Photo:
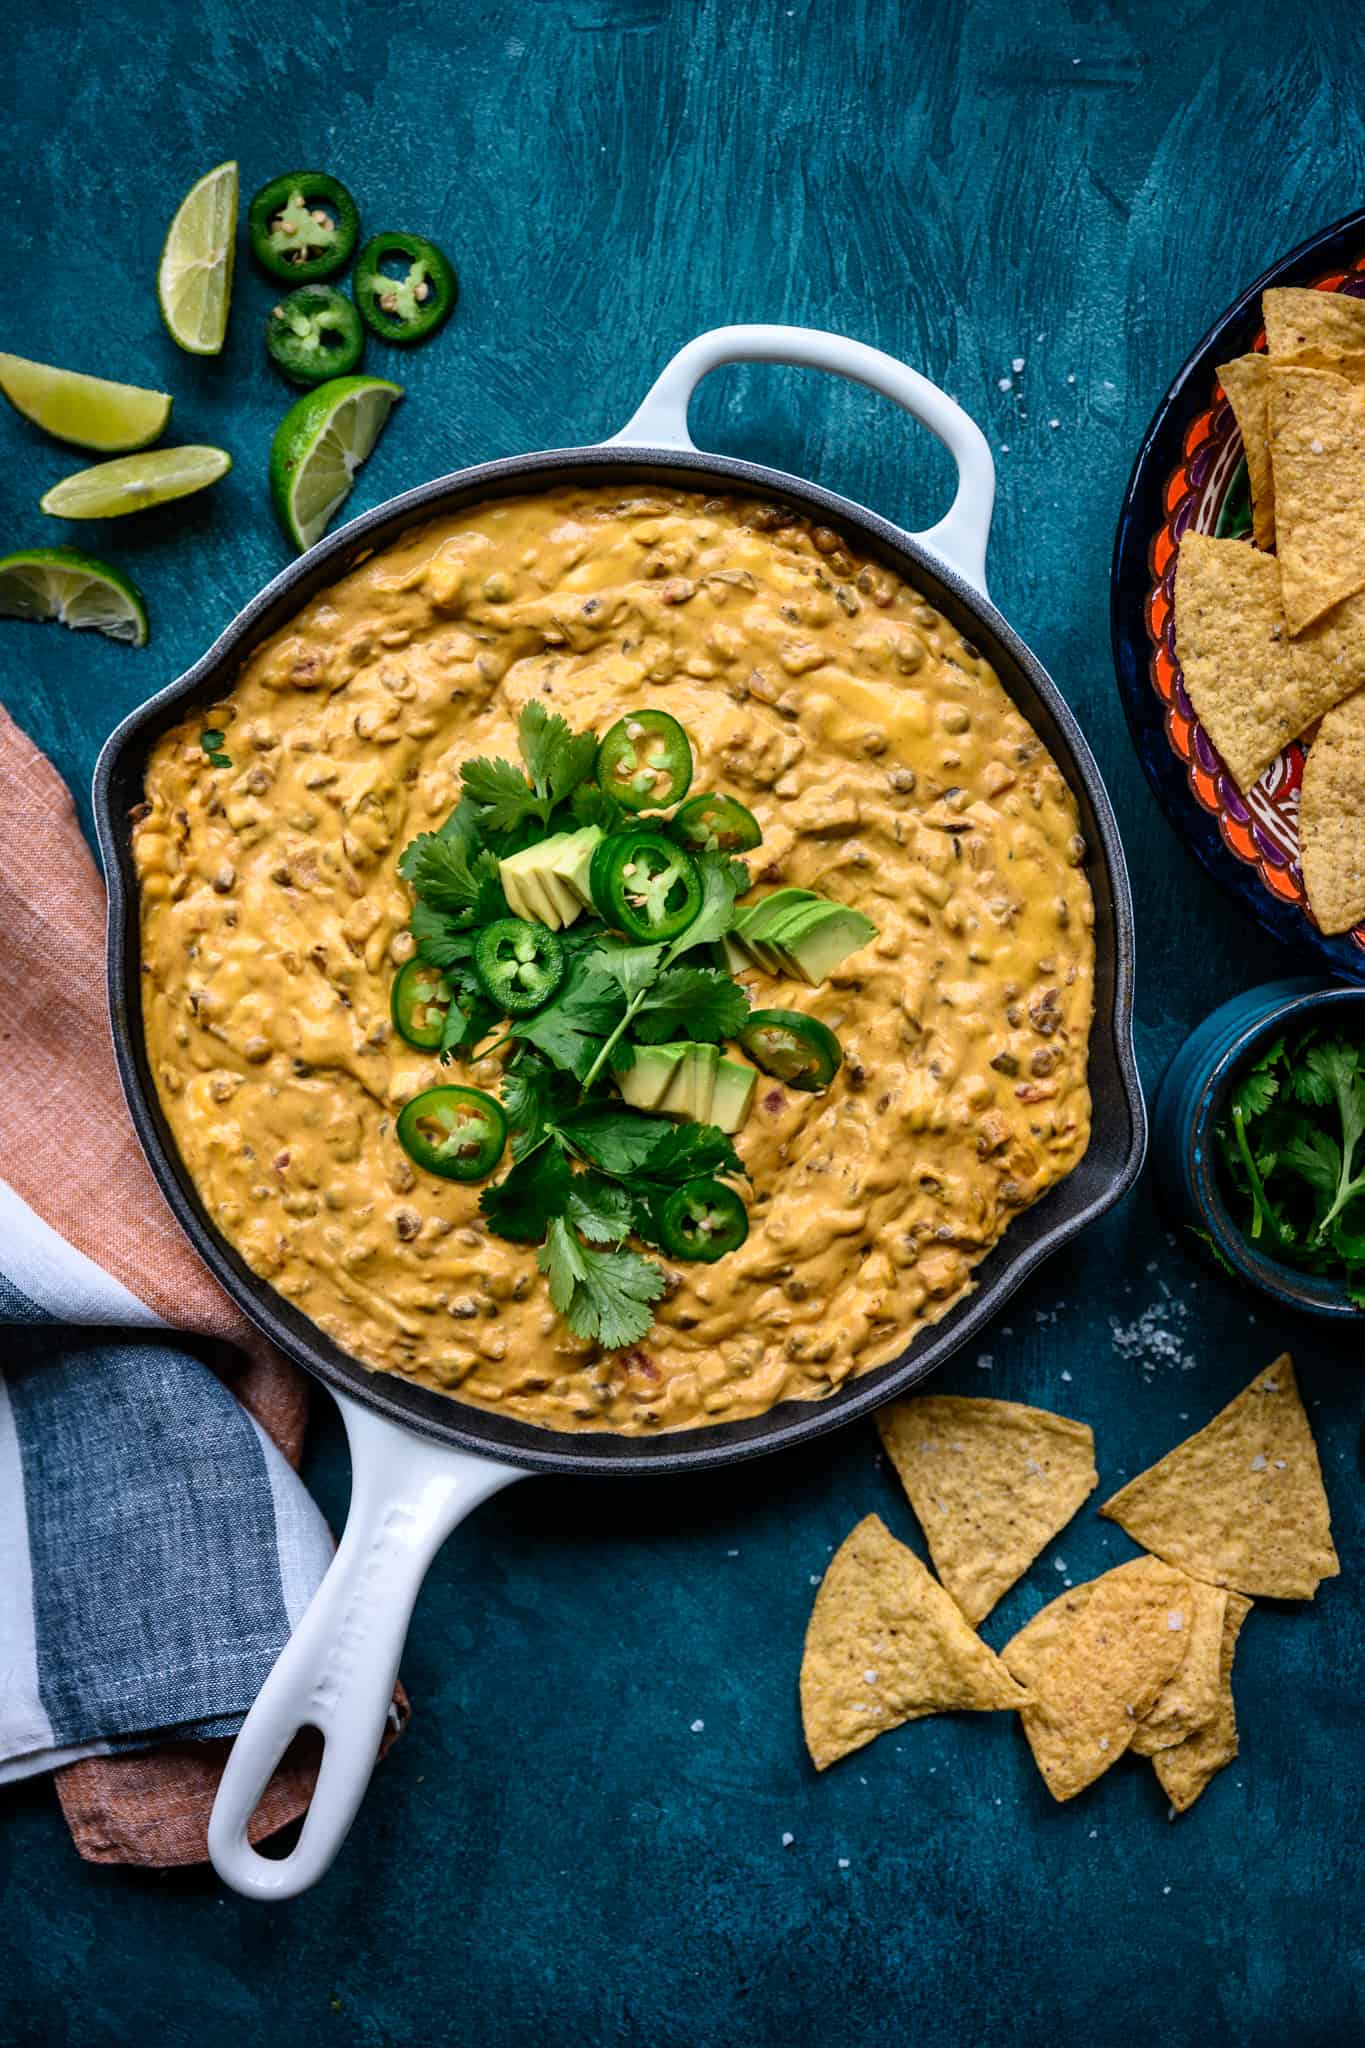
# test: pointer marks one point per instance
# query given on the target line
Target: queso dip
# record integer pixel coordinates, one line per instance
(888, 769)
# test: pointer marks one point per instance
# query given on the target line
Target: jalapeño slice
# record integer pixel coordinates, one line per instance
(792, 1047)
(314, 334)
(645, 761)
(520, 964)
(413, 302)
(703, 1220)
(420, 1003)
(645, 886)
(303, 226)
(716, 824)
(458, 1133)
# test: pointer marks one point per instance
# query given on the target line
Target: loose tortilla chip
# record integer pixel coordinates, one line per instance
(885, 1645)
(1332, 814)
(1190, 1699)
(1094, 1662)
(991, 1481)
(1233, 648)
(1297, 318)
(1241, 1503)
(1244, 386)
(1185, 1770)
(1316, 424)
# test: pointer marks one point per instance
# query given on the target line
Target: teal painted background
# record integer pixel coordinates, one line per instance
(551, 1854)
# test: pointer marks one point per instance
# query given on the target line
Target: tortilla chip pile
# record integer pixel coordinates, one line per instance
(1139, 1658)
(1271, 643)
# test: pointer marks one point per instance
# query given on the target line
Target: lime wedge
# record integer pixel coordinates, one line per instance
(134, 482)
(318, 447)
(194, 282)
(57, 583)
(90, 411)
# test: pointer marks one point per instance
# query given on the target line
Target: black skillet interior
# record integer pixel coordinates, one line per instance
(1118, 1139)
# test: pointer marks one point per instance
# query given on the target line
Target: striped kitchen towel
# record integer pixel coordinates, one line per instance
(156, 1543)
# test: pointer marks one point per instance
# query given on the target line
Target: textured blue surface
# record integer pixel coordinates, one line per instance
(551, 1853)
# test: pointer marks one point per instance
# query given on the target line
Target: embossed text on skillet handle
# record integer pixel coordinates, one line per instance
(960, 537)
(336, 1673)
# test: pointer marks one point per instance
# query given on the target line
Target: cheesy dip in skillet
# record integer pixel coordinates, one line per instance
(887, 771)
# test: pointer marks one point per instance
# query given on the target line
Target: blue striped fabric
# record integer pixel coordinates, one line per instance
(155, 1547)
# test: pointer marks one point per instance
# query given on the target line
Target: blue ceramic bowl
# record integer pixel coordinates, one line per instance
(1191, 1100)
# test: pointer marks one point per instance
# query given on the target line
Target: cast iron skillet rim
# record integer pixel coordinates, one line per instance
(440, 1417)
(1139, 516)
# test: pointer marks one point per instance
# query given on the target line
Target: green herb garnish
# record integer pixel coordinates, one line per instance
(1291, 1143)
(212, 741)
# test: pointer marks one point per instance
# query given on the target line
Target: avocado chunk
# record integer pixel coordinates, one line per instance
(535, 887)
(753, 927)
(693, 1084)
(815, 938)
(646, 1083)
(573, 852)
(732, 1095)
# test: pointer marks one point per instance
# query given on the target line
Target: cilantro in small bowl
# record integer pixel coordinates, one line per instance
(1259, 1133)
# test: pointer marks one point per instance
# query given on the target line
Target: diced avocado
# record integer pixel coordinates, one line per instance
(693, 1084)
(535, 888)
(732, 1094)
(813, 944)
(573, 852)
(646, 1083)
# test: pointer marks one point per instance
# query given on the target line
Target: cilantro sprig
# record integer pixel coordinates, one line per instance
(1292, 1147)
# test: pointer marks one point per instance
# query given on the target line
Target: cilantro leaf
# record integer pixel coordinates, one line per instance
(692, 1002)
(556, 758)
(1316, 1158)
(1254, 1092)
(447, 874)
(524, 1203)
(601, 1209)
(504, 797)
(570, 1031)
(720, 886)
(604, 1296)
(533, 1095)
(442, 941)
(613, 1138)
(590, 805)
(632, 968)
(690, 1152)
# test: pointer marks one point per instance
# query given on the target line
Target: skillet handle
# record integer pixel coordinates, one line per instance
(960, 537)
(336, 1673)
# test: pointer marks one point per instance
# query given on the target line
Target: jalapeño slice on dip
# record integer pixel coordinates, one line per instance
(792, 1047)
(645, 886)
(716, 824)
(645, 762)
(520, 964)
(458, 1133)
(420, 1004)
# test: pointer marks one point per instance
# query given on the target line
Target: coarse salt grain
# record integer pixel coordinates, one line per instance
(1059, 1564)
(1175, 1620)
(1258, 1462)
(697, 1727)
(869, 1678)
(1054, 423)
(1004, 383)
(843, 1863)
(1018, 362)
(1067, 1377)
(787, 1841)
(1104, 1742)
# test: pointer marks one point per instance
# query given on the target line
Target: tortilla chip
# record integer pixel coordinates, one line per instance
(1244, 387)
(1233, 649)
(991, 1481)
(1316, 423)
(1094, 1662)
(1190, 1699)
(1185, 1770)
(1241, 1503)
(886, 1645)
(1332, 813)
(1297, 318)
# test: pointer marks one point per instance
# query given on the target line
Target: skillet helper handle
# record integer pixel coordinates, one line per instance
(337, 1671)
(960, 537)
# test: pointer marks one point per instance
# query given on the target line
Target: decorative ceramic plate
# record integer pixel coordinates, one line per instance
(1191, 476)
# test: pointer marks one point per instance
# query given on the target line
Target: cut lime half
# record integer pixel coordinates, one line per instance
(318, 447)
(134, 482)
(89, 411)
(74, 589)
(194, 281)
